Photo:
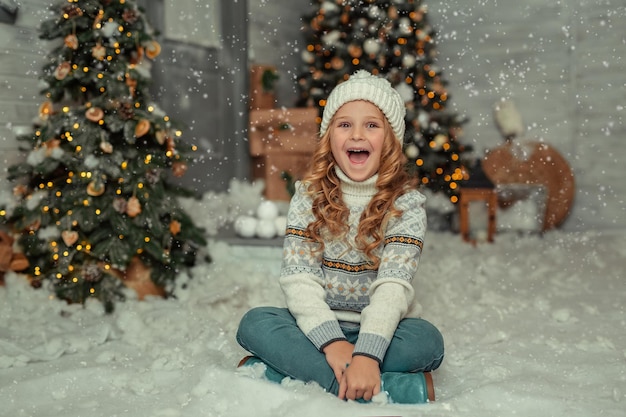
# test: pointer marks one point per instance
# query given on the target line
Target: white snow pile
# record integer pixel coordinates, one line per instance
(534, 326)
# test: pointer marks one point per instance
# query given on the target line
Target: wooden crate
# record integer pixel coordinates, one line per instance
(281, 141)
(271, 167)
(260, 98)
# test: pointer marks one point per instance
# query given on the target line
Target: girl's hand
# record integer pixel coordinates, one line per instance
(360, 380)
(339, 355)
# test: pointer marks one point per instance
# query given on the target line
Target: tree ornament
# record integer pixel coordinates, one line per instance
(45, 110)
(153, 49)
(142, 127)
(62, 70)
(72, 11)
(133, 207)
(94, 114)
(98, 52)
(374, 12)
(51, 145)
(130, 16)
(405, 27)
(71, 41)
(69, 237)
(307, 56)
(20, 190)
(136, 56)
(408, 61)
(179, 169)
(34, 225)
(97, 22)
(160, 136)
(106, 147)
(91, 272)
(331, 38)
(170, 144)
(355, 50)
(95, 188)
(371, 46)
(119, 205)
(439, 141)
(412, 151)
(125, 110)
(337, 63)
(153, 176)
(175, 227)
(392, 12)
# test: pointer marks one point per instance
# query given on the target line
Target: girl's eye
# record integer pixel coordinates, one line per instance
(343, 124)
(372, 125)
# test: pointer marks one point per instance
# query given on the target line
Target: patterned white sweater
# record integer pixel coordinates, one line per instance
(322, 290)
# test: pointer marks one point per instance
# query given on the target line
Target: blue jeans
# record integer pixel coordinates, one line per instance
(272, 334)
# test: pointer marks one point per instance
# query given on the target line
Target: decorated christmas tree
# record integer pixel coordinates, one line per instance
(393, 39)
(96, 206)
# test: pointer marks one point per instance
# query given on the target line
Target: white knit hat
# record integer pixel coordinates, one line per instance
(364, 86)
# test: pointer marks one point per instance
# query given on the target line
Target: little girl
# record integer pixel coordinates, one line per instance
(355, 232)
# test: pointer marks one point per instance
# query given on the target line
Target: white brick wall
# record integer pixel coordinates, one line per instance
(564, 65)
(21, 57)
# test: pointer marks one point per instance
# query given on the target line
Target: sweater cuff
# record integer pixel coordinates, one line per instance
(326, 333)
(371, 345)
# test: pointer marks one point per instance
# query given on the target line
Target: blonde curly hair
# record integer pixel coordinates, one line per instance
(330, 211)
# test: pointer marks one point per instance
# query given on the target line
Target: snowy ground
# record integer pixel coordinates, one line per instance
(534, 326)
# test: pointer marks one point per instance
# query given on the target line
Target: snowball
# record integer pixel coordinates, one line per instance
(267, 210)
(281, 224)
(245, 226)
(265, 229)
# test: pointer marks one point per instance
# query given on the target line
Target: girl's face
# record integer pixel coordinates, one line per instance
(356, 139)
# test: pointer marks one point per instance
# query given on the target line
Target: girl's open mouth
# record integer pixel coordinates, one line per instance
(358, 156)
